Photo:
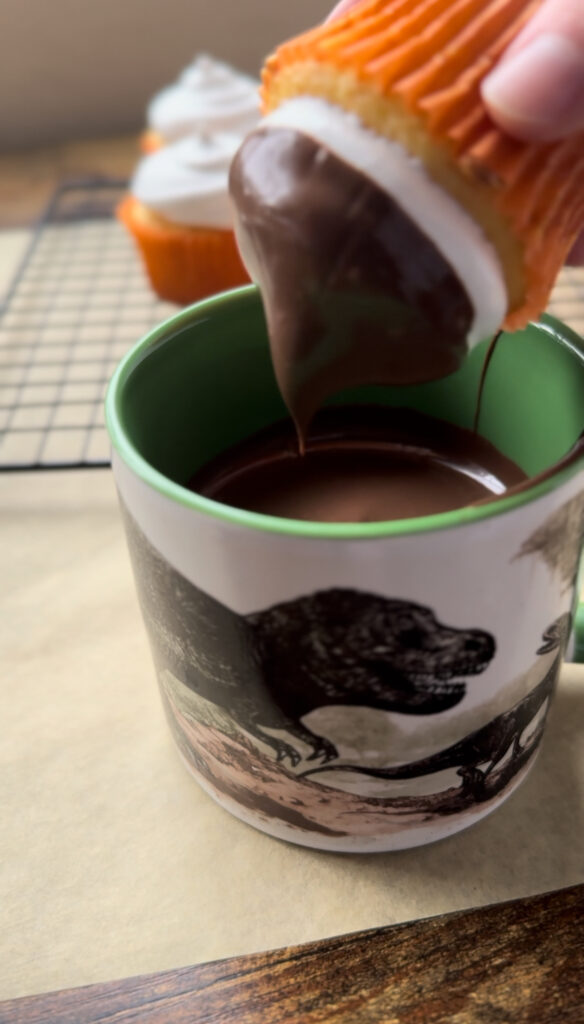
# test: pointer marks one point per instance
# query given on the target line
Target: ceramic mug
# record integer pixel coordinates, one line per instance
(350, 687)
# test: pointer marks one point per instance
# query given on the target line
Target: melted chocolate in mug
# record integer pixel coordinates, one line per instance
(361, 464)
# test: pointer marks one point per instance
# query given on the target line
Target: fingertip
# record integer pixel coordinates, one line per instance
(537, 92)
(341, 8)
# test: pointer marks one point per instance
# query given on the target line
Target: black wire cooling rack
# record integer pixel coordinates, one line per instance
(78, 302)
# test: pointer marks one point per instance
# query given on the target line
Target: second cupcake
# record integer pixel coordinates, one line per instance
(209, 96)
(178, 211)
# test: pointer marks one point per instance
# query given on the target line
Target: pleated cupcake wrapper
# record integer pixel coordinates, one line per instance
(150, 142)
(427, 58)
(184, 264)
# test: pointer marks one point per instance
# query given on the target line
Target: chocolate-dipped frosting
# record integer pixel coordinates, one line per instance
(354, 292)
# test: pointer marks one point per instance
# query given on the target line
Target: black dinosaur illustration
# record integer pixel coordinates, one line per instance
(480, 756)
(347, 647)
(271, 668)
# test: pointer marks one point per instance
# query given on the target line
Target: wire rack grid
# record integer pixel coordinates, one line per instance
(77, 304)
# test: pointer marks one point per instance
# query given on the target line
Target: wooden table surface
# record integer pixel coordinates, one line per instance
(28, 179)
(520, 962)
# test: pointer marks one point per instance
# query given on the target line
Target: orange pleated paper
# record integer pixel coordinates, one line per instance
(428, 58)
(184, 264)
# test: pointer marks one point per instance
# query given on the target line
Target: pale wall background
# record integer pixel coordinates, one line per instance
(72, 69)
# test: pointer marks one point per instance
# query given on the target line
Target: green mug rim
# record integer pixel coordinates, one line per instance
(114, 415)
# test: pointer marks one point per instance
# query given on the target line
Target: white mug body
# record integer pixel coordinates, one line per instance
(356, 695)
(350, 687)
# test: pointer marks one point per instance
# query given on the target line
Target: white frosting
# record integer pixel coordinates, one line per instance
(455, 234)
(186, 182)
(208, 97)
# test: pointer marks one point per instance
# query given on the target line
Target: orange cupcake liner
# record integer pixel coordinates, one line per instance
(183, 264)
(430, 57)
(150, 141)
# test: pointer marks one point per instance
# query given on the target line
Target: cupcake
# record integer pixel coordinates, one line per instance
(178, 211)
(389, 224)
(208, 97)
(411, 73)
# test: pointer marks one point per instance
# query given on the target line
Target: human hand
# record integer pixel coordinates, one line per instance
(536, 91)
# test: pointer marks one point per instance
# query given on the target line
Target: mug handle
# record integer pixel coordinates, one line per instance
(578, 654)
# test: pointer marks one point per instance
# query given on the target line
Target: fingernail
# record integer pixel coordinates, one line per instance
(538, 89)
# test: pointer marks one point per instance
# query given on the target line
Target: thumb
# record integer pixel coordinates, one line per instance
(342, 8)
(536, 92)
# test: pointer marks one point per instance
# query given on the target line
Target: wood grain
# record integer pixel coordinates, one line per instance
(521, 961)
(28, 179)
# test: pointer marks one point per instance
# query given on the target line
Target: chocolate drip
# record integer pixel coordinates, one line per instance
(354, 292)
(361, 464)
(486, 363)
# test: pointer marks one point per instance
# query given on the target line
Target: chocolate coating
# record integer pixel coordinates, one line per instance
(354, 292)
(361, 464)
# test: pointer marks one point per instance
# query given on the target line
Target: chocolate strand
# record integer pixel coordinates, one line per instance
(487, 362)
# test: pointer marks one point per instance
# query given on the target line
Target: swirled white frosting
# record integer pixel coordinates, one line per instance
(455, 234)
(186, 182)
(208, 97)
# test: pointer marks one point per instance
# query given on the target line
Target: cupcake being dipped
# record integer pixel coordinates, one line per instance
(389, 223)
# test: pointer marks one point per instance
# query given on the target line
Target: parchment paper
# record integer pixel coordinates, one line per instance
(113, 862)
